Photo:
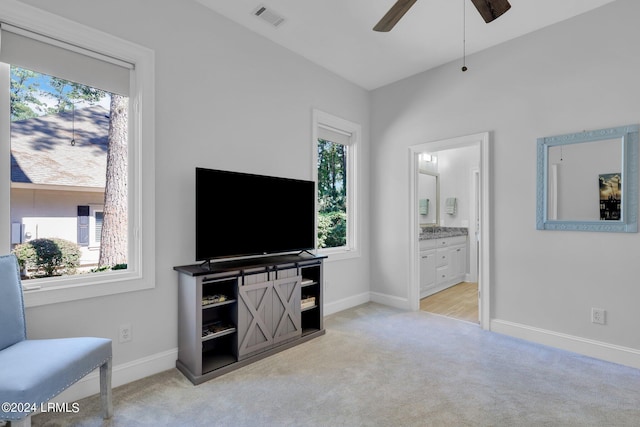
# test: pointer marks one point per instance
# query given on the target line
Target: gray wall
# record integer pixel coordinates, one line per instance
(226, 98)
(455, 167)
(577, 75)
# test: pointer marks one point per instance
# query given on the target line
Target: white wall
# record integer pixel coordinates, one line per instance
(577, 75)
(228, 99)
(455, 167)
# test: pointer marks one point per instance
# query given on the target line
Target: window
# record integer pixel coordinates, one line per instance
(97, 228)
(77, 62)
(332, 192)
(64, 153)
(83, 225)
(89, 227)
(335, 148)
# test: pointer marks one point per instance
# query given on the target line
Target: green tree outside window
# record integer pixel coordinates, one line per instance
(332, 194)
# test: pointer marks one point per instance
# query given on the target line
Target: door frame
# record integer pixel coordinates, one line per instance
(474, 224)
(480, 140)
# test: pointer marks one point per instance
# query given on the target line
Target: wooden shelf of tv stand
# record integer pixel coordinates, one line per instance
(308, 308)
(218, 304)
(219, 334)
(199, 364)
(307, 282)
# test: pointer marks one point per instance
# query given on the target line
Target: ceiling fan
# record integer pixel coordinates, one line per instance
(489, 10)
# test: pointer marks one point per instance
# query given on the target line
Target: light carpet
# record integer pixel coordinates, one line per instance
(378, 366)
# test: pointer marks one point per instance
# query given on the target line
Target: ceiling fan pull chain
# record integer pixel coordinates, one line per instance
(464, 36)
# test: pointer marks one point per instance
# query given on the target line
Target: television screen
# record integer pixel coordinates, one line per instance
(240, 214)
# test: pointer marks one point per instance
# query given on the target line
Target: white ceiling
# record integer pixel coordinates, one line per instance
(337, 34)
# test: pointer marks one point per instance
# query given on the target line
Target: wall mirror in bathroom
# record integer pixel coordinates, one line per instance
(588, 181)
(428, 198)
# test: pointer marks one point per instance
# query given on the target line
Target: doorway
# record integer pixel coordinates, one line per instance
(476, 219)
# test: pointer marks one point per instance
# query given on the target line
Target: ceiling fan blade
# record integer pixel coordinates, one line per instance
(394, 14)
(491, 9)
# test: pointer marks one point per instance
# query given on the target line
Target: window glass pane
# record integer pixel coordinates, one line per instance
(68, 150)
(332, 194)
(98, 230)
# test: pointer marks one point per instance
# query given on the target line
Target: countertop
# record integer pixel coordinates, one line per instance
(442, 232)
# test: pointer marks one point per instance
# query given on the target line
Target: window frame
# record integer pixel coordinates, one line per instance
(141, 186)
(94, 238)
(326, 120)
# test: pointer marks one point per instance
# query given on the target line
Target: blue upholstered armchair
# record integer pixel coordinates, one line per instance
(34, 371)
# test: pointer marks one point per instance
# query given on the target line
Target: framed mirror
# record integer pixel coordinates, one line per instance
(428, 198)
(588, 181)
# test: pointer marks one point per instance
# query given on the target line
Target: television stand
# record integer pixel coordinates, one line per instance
(233, 313)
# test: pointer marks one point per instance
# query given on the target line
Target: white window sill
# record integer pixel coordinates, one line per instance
(338, 254)
(39, 292)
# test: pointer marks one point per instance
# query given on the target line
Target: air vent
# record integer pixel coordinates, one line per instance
(268, 15)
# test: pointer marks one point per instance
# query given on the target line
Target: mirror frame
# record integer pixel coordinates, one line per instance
(629, 163)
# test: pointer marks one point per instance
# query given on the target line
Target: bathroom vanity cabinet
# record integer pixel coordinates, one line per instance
(443, 263)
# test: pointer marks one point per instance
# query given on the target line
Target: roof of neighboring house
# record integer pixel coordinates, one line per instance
(42, 152)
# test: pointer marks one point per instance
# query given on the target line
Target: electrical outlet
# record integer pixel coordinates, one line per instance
(598, 315)
(125, 333)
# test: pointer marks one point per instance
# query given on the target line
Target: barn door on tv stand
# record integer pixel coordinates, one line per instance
(254, 315)
(268, 311)
(286, 306)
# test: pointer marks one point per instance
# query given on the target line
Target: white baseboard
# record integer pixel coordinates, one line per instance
(121, 374)
(587, 347)
(390, 300)
(356, 300)
(346, 303)
(156, 363)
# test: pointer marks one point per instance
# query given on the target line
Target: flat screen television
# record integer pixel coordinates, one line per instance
(240, 214)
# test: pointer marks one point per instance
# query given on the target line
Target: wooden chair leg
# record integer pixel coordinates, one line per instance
(105, 389)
